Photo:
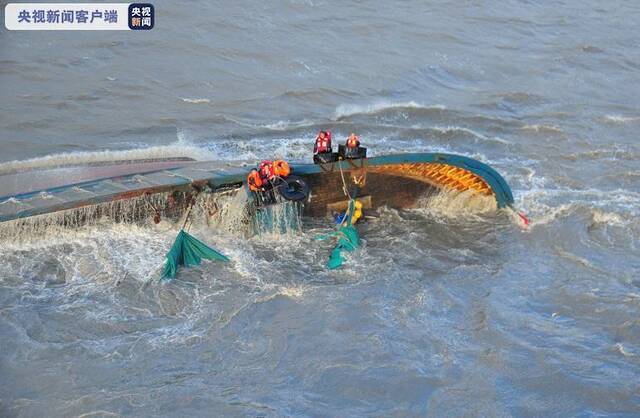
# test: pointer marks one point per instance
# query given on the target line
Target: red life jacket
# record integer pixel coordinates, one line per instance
(323, 144)
(266, 170)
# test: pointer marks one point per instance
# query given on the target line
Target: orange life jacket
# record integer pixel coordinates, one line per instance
(281, 168)
(353, 142)
(254, 180)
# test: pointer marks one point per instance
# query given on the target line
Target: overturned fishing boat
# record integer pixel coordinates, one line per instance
(139, 191)
(165, 188)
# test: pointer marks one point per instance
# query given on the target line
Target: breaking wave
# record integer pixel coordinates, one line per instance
(621, 119)
(195, 101)
(609, 218)
(553, 129)
(347, 110)
(614, 208)
(614, 153)
(284, 125)
(447, 130)
(176, 150)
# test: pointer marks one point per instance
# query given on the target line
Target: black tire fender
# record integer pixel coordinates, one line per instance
(293, 188)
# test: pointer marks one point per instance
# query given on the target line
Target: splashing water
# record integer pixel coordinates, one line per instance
(134, 210)
(454, 204)
(283, 218)
(226, 212)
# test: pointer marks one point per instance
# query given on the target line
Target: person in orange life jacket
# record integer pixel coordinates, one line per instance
(353, 141)
(323, 142)
(281, 169)
(254, 180)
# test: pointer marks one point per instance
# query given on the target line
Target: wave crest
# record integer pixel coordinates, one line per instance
(347, 110)
(176, 150)
(621, 119)
(195, 101)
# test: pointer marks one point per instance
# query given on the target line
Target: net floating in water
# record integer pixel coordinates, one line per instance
(188, 251)
(347, 236)
(348, 240)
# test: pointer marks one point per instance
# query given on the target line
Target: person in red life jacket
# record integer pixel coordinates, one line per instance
(323, 142)
(353, 141)
(266, 171)
(262, 179)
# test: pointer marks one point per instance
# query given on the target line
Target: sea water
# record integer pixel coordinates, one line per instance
(449, 309)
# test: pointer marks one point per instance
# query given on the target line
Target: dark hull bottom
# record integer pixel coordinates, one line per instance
(379, 190)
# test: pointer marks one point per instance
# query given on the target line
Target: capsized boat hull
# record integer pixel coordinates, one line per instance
(379, 189)
(394, 180)
(399, 181)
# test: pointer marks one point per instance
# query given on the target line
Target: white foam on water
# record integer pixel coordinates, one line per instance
(534, 205)
(346, 110)
(615, 208)
(252, 149)
(195, 100)
(453, 129)
(611, 153)
(543, 128)
(386, 145)
(296, 292)
(621, 119)
(455, 204)
(475, 134)
(257, 149)
(622, 350)
(284, 125)
(95, 250)
(177, 149)
(609, 218)
(102, 253)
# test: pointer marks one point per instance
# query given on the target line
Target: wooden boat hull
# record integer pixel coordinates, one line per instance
(399, 181)
(380, 189)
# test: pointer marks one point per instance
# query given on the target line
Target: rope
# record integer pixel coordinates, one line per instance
(157, 211)
(193, 202)
(344, 184)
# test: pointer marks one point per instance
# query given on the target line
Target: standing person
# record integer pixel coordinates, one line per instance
(323, 143)
(353, 141)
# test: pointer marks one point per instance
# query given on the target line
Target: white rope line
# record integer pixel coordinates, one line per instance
(344, 184)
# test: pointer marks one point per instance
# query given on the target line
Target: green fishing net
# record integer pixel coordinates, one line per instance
(348, 239)
(188, 251)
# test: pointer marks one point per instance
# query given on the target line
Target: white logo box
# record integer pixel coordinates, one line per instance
(66, 16)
